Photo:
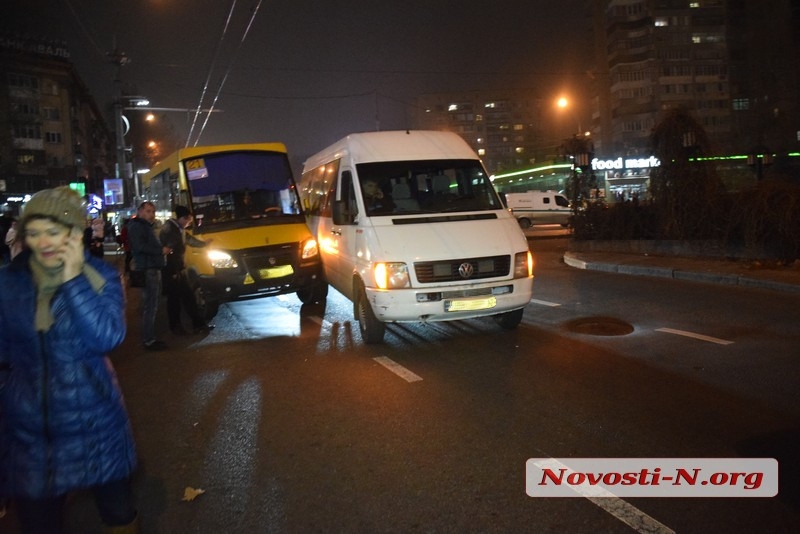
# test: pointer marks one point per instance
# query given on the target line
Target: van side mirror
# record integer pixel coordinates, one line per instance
(341, 214)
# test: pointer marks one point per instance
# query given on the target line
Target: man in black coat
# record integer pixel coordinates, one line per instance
(176, 284)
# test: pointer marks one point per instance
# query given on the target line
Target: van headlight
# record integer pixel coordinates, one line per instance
(221, 260)
(310, 250)
(523, 264)
(391, 275)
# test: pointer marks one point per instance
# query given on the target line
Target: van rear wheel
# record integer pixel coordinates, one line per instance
(509, 320)
(372, 330)
(525, 222)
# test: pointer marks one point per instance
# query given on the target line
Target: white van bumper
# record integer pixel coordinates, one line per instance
(449, 303)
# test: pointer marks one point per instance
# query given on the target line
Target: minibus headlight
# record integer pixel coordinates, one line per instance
(391, 275)
(310, 250)
(221, 260)
(523, 264)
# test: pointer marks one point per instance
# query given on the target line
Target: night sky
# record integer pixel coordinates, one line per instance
(311, 71)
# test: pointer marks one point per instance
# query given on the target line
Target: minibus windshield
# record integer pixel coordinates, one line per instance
(238, 188)
(426, 186)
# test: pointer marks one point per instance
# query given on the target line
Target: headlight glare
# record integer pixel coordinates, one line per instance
(310, 249)
(523, 264)
(391, 275)
(221, 260)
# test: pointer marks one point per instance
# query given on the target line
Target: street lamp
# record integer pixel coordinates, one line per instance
(563, 103)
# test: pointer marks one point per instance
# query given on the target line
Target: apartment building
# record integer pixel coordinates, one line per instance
(505, 127)
(732, 63)
(51, 131)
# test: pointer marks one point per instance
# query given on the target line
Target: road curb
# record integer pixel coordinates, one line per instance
(574, 260)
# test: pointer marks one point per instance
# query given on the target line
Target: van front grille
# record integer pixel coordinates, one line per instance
(430, 272)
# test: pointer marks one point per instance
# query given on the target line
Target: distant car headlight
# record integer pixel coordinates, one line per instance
(310, 249)
(221, 260)
(523, 264)
(391, 275)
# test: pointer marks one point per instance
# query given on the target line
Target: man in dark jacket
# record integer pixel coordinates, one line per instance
(176, 285)
(148, 257)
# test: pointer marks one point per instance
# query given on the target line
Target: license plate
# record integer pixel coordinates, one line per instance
(470, 304)
(275, 272)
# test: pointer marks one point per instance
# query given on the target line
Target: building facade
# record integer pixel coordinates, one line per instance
(51, 130)
(504, 126)
(732, 63)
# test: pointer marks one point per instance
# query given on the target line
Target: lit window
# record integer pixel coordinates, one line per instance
(452, 107)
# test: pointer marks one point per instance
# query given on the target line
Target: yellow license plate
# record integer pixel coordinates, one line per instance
(470, 304)
(275, 272)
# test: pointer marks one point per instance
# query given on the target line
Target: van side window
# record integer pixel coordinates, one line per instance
(348, 195)
(546, 200)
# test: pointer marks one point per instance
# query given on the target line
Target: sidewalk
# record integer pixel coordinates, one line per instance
(737, 273)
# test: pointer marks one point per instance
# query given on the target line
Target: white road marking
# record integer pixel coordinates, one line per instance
(695, 336)
(545, 303)
(398, 369)
(604, 499)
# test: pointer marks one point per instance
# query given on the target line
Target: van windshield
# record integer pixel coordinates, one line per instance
(234, 189)
(427, 186)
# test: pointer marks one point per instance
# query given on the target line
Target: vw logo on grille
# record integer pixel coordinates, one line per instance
(465, 270)
(272, 260)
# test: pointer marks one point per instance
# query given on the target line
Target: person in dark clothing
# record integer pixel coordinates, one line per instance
(148, 258)
(176, 285)
(63, 422)
(94, 236)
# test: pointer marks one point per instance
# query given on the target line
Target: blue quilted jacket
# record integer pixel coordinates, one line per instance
(63, 422)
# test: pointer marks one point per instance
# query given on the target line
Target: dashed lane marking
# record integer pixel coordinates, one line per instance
(701, 337)
(398, 369)
(604, 499)
(545, 303)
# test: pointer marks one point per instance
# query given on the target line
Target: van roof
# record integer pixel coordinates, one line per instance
(396, 145)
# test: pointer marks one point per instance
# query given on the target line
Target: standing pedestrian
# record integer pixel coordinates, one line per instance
(94, 237)
(14, 240)
(176, 284)
(122, 240)
(63, 422)
(148, 258)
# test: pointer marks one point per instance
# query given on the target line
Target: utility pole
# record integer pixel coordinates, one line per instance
(123, 173)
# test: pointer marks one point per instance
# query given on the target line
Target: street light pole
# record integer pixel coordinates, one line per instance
(119, 59)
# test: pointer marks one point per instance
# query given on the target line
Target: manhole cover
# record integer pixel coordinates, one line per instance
(600, 326)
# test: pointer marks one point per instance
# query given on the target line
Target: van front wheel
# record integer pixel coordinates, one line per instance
(525, 222)
(509, 320)
(371, 328)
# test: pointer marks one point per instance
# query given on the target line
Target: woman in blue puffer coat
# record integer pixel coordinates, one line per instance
(63, 422)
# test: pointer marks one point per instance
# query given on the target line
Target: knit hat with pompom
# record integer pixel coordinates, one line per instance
(61, 204)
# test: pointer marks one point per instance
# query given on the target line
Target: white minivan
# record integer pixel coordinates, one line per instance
(539, 207)
(411, 229)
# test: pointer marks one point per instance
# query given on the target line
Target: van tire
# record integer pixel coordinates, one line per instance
(509, 320)
(524, 222)
(206, 307)
(372, 330)
(316, 293)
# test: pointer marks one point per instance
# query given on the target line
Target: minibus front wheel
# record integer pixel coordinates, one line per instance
(372, 330)
(509, 320)
(316, 293)
(206, 307)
